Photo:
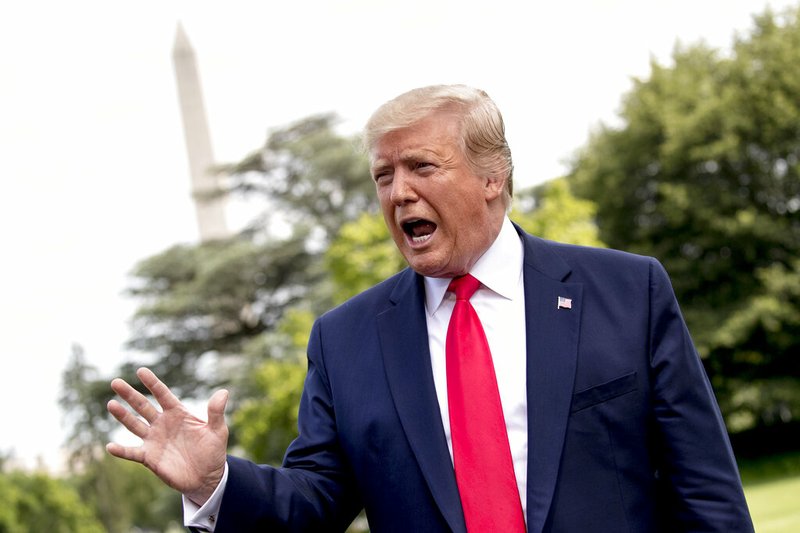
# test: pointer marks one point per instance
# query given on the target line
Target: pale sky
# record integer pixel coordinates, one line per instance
(95, 176)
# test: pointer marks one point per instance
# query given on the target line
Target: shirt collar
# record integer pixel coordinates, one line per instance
(499, 269)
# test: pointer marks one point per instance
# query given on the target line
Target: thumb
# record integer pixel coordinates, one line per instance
(216, 409)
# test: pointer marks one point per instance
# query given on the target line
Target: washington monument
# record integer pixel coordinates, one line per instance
(209, 200)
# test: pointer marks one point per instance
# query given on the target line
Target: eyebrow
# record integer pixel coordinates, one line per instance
(380, 164)
(414, 154)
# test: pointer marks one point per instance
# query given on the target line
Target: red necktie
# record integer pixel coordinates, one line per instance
(481, 453)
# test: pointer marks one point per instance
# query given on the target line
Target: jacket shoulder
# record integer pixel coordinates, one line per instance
(374, 299)
(584, 263)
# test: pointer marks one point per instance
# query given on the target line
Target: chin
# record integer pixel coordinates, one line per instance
(422, 267)
(431, 269)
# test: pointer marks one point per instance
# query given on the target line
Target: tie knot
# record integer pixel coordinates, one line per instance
(464, 286)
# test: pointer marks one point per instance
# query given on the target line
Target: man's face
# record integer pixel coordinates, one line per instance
(441, 215)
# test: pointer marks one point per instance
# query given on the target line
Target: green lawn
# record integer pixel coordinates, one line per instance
(772, 488)
(775, 505)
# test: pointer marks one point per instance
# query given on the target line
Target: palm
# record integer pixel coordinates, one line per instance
(185, 452)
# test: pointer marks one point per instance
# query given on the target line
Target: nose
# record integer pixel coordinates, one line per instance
(402, 189)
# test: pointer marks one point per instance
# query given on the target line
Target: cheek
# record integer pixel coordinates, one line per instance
(388, 219)
(386, 209)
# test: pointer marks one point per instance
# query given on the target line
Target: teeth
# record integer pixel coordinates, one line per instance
(420, 239)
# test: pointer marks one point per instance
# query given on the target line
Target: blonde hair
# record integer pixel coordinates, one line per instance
(483, 139)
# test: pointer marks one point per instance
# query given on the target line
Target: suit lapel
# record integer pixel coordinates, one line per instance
(552, 349)
(404, 343)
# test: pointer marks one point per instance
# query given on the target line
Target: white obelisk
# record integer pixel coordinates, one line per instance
(208, 200)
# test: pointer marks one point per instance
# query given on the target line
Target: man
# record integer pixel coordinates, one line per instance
(607, 420)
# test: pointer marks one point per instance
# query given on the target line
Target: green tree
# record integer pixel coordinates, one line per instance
(121, 495)
(228, 312)
(126, 496)
(210, 300)
(552, 212)
(83, 399)
(266, 421)
(315, 177)
(704, 174)
(362, 255)
(38, 502)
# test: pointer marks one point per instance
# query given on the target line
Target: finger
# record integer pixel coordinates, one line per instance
(125, 452)
(216, 410)
(160, 391)
(132, 423)
(135, 399)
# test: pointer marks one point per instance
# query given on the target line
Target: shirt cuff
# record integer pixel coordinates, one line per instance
(205, 517)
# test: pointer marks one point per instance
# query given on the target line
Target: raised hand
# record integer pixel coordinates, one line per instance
(185, 452)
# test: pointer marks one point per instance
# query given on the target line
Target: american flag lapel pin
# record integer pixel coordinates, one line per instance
(564, 303)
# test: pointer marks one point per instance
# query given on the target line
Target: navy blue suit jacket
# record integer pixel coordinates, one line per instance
(624, 433)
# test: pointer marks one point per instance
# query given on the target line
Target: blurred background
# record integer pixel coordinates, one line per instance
(670, 128)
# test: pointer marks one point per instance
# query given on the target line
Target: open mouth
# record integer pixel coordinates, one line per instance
(419, 230)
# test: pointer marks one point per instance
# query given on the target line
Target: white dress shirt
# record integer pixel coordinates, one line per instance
(205, 517)
(500, 304)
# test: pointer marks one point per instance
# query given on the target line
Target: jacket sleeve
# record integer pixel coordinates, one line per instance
(697, 473)
(314, 489)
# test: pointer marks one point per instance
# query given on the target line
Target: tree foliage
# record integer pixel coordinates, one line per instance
(266, 421)
(315, 177)
(552, 212)
(120, 495)
(83, 398)
(238, 311)
(704, 174)
(361, 256)
(39, 502)
(212, 299)
(126, 496)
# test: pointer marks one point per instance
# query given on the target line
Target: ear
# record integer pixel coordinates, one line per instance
(493, 187)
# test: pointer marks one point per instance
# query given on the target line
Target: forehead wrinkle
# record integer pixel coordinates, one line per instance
(404, 145)
(408, 155)
(417, 154)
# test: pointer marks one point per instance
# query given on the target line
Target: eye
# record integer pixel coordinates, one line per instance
(424, 166)
(382, 176)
